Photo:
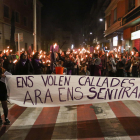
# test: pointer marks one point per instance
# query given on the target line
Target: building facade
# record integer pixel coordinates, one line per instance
(63, 39)
(16, 16)
(122, 24)
(94, 25)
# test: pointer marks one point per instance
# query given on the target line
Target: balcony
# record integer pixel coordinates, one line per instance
(113, 28)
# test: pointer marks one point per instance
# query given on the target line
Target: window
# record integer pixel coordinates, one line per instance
(25, 2)
(115, 14)
(25, 21)
(115, 41)
(16, 16)
(7, 42)
(26, 46)
(32, 25)
(6, 11)
(109, 21)
(131, 5)
(31, 4)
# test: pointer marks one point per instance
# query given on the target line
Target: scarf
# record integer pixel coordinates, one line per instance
(23, 61)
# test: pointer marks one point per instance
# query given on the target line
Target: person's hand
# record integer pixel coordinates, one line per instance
(3, 76)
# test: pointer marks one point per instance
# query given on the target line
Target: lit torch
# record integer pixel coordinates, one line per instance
(40, 51)
(15, 61)
(55, 45)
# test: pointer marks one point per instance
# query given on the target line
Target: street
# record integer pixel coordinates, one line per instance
(109, 121)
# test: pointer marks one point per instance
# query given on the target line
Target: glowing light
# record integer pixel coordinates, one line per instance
(72, 46)
(100, 19)
(83, 49)
(48, 61)
(40, 51)
(15, 61)
(55, 45)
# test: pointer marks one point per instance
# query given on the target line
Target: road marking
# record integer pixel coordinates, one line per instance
(128, 120)
(110, 125)
(14, 112)
(66, 124)
(22, 125)
(88, 127)
(44, 125)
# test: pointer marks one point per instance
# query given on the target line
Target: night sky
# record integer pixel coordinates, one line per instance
(66, 14)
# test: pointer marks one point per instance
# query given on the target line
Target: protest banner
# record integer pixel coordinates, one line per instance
(65, 90)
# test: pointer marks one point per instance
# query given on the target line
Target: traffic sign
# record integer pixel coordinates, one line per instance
(20, 37)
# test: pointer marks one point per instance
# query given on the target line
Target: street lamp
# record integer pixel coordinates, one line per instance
(90, 33)
(100, 19)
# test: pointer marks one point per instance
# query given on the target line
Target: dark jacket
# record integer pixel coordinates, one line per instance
(37, 67)
(103, 60)
(26, 69)
(128, 65)
(61, 57)
(8, 63)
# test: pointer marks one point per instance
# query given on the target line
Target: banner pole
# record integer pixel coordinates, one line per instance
(19, 44)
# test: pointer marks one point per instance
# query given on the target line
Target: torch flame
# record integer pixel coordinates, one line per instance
(15, 61)
(55, 45)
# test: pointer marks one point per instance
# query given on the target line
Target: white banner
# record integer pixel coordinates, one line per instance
(65, 90)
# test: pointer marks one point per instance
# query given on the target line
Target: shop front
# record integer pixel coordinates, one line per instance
(135, 37)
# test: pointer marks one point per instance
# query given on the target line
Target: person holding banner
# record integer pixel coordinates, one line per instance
(3, 96)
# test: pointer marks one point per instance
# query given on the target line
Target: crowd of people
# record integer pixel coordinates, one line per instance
(80, 62)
